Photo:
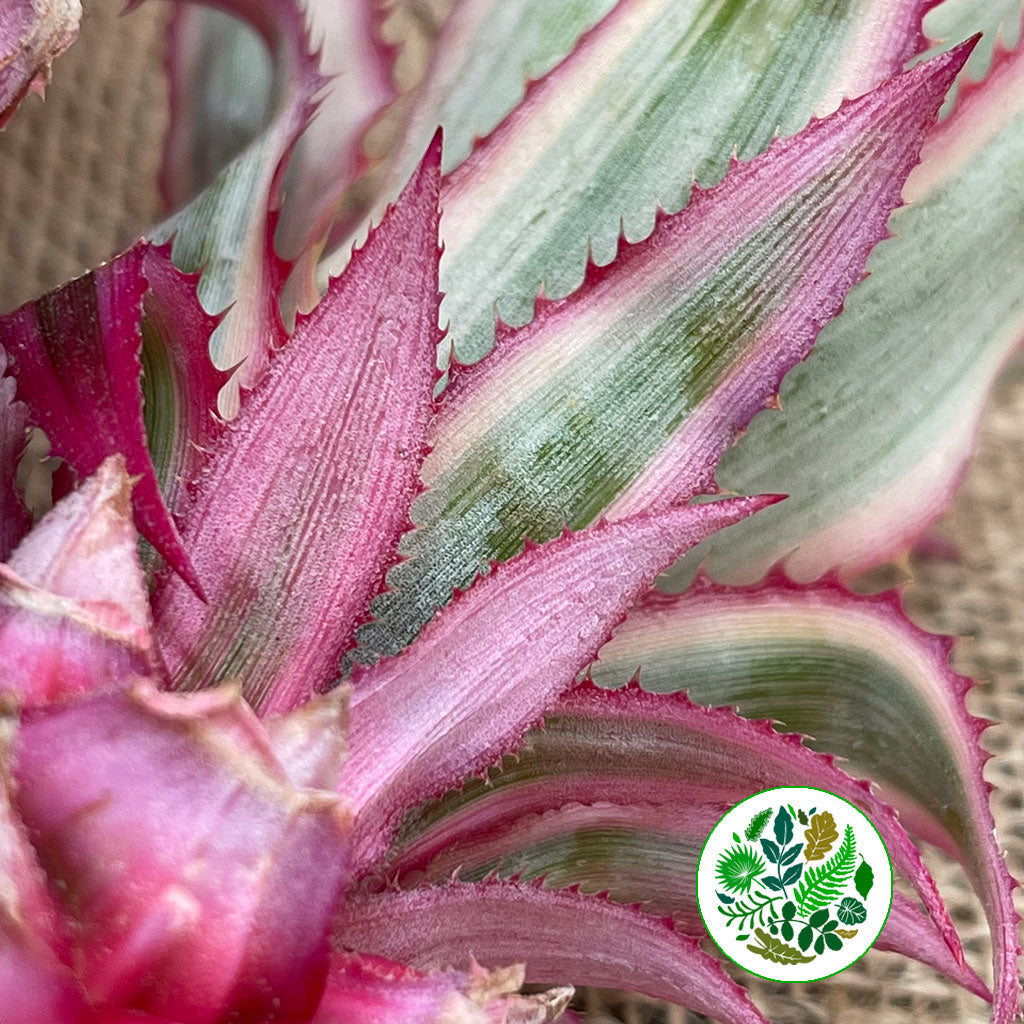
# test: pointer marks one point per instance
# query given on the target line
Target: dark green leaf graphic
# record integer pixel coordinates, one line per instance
(771, 851)
(819, 945)
(758, 823)
(830, 926)
(786, 929)
(783, 827)
(793, 874)
(864, 879)
(738, 867)
(833, 941)
(789, 911)
(823, 884)
(724, 898)
(791, 854)
(821, 836)
(776, 950)
(805, 937)
(772, 883)
(851, 911)
(818, 918)
(801, 817)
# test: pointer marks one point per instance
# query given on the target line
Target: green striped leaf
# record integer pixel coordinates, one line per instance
(662, 91)
(625, 394)
(856, 675)
(867, 469)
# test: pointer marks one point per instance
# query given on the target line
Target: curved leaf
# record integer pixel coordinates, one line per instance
(625, 395)
(558, 934)
(820, 836)
(637, 853)
(610, 746)
(943, 309)
(424, 720)
(226, 232)
(856, 675)
(75, 355)
(324, 464)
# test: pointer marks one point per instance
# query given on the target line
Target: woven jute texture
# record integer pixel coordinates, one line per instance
(77, 182)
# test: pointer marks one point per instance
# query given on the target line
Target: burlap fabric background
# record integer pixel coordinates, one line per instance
(77, 178)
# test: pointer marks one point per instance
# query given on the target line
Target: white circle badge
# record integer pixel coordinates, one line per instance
(794, 884)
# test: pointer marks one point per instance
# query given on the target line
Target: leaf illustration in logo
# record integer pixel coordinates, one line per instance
(833, 941)
(791, 854)
(776, 950)
(851, 911)
(864, 879)
(820, 837)
(823, 884)
(801, 817)
(771, 851)
(793, 874)
(805, 937)
(783, 827)
(846, 933)
(738, 867)
(757, 824)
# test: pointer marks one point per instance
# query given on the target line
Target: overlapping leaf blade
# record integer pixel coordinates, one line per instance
(515, 222)
(424, 720)
(856, 675)
(868, 470)
(628, 745)
(226, 232)
(625, 394)
(556, 933)
(75, 354)
(299, 510)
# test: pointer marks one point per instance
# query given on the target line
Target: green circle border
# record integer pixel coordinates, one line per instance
(795, 981)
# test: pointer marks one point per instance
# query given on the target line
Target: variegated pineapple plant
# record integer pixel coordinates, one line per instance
(256, 782)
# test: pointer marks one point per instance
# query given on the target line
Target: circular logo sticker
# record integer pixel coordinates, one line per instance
(794, 884)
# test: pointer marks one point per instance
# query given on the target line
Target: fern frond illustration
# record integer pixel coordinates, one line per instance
(744, 913)
(757, 824)
(822, 885)
(738, 867)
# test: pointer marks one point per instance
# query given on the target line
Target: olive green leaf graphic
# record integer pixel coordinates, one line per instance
(851, 911)
(738, 867)
(864, 879)
(846, 933)
(820, 836)
(757, 824)
(822, 885)
(801, 817)
(776, 950)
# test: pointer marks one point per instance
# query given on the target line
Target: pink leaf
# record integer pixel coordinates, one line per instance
(14, 517)
(607, 745)
(201, 881)
(858, 676)
(636, 852)
(74, 610)
(75, 355)
(425, 719)
(558, 934)
(300, 510)
(311, 741)
(370, 990)
(32, 34)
